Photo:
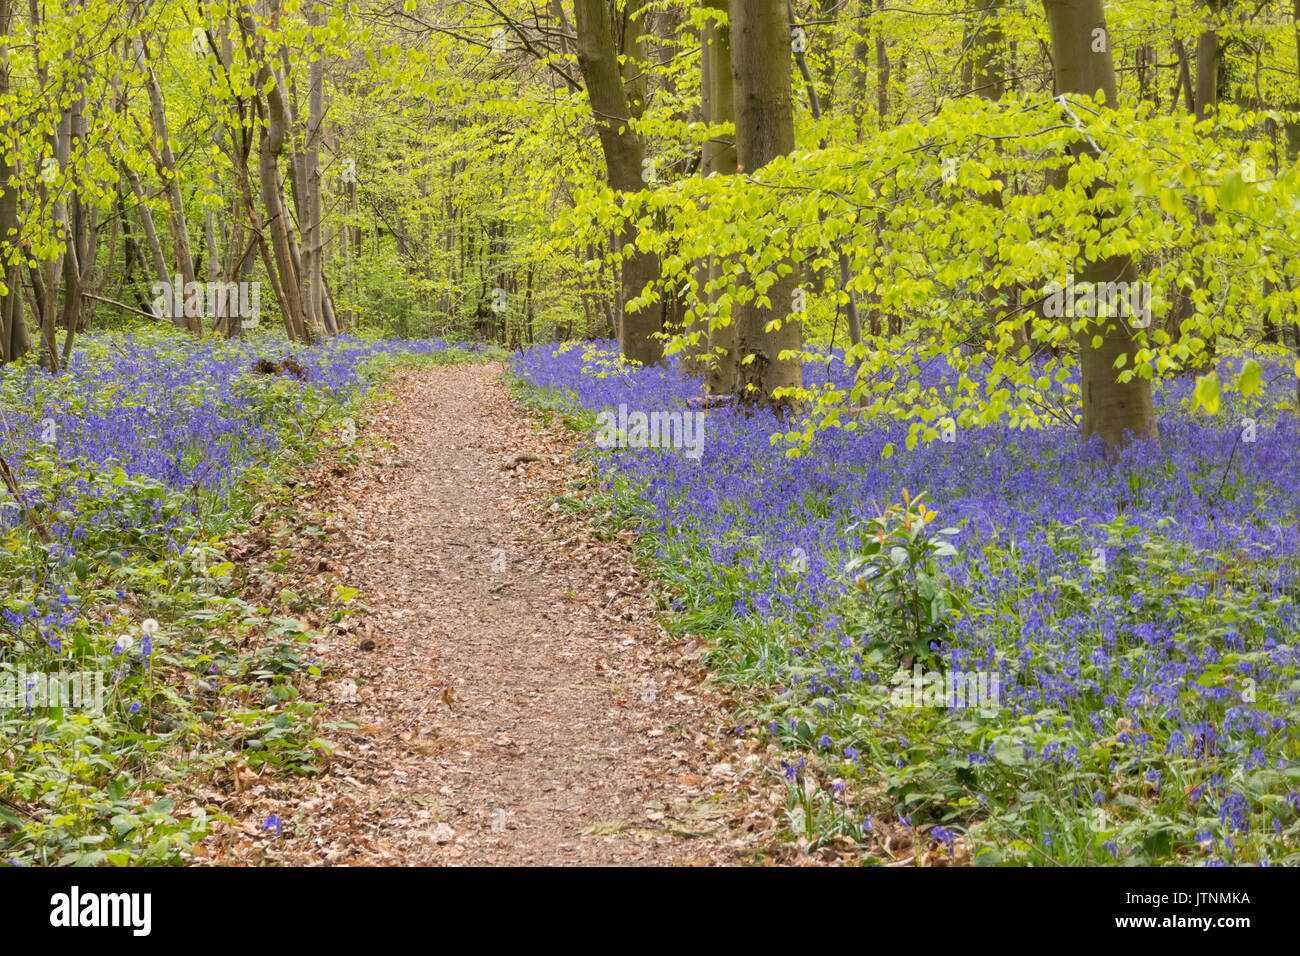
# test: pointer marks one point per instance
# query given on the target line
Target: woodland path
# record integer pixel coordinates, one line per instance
(516, 700)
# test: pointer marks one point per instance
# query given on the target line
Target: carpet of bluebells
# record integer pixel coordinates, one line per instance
(132, 466)
(1141, 613)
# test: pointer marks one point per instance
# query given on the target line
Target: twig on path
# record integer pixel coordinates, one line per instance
(517, 461)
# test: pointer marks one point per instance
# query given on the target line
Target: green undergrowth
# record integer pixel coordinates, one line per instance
(183, 602)
(1084, 779)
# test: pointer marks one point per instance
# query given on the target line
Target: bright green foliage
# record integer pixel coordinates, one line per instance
(895, 567)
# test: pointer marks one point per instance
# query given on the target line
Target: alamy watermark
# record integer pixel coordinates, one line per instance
(178, 299)
(636, 429)
(976, 690)
(1131, 300)
(75, 909)
(33, 690)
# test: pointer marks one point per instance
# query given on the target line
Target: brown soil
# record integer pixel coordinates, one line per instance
(515, 698)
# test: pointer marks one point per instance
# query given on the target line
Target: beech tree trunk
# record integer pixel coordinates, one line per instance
(1113, 410)
(639, 329)
(770, 337)
(987, 76)
(14, 342)
(719, 158)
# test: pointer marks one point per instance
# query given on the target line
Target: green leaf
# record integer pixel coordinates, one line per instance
(1251, 379)
(1206, 394)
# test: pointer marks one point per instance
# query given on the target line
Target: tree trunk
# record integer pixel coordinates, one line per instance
(760, 69)
(166, 163)
(13, 337)
(624, 153)
(313, 236)
(987, 75)
(697, 358)
(1113, 410)
(719, 158)
(277, 212)
(1209, 58)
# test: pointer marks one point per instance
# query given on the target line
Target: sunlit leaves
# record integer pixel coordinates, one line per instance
(1206, 393)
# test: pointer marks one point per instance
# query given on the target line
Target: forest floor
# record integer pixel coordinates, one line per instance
(515, 700)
